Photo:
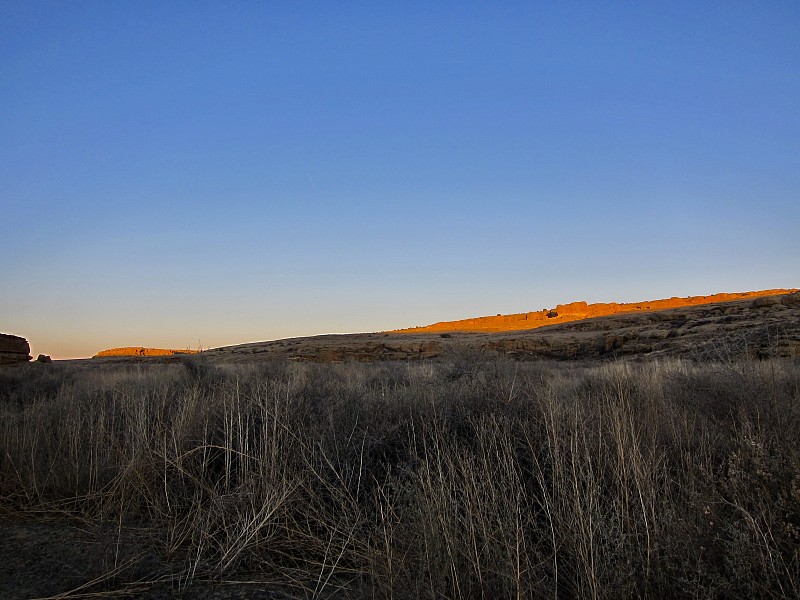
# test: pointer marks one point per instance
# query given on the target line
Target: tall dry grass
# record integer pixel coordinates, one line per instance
(471, 478)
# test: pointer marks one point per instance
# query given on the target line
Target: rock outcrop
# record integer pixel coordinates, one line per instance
(576, 311)
(760, 328)
(13, 349)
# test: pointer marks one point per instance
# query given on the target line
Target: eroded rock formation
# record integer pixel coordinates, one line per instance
(13, 349)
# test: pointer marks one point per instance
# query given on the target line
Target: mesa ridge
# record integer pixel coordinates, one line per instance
(576, 311)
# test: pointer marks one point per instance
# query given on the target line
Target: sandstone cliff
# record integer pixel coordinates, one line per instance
(576, 311)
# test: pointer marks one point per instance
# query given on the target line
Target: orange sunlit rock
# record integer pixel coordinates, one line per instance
(575, 311)
(139, 351)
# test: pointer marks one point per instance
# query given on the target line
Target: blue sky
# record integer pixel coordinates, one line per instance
(208, 173)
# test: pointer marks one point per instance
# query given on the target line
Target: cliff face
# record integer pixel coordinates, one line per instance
(13, 349)
(576, 311)
(761, 327)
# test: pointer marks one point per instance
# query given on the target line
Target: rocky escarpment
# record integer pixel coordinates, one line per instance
(757, 326)
(764, 326)
(578, 311)
(13, 349)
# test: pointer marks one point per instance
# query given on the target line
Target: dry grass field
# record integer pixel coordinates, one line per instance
(652, 455)
(473, 477)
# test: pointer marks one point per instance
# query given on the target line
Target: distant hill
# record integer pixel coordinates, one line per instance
(759, 324)
(139, 351)
(755, 324)
(576, 311)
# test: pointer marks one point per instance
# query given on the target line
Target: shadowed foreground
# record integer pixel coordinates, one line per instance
(473, 477)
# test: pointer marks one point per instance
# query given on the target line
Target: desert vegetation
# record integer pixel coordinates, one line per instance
(472, 476)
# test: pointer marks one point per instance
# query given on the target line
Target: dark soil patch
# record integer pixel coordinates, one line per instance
(59, 559)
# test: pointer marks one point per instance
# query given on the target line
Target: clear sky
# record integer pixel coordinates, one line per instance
(183, 174)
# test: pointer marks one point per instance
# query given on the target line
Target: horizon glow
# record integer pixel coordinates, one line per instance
(190, 174)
